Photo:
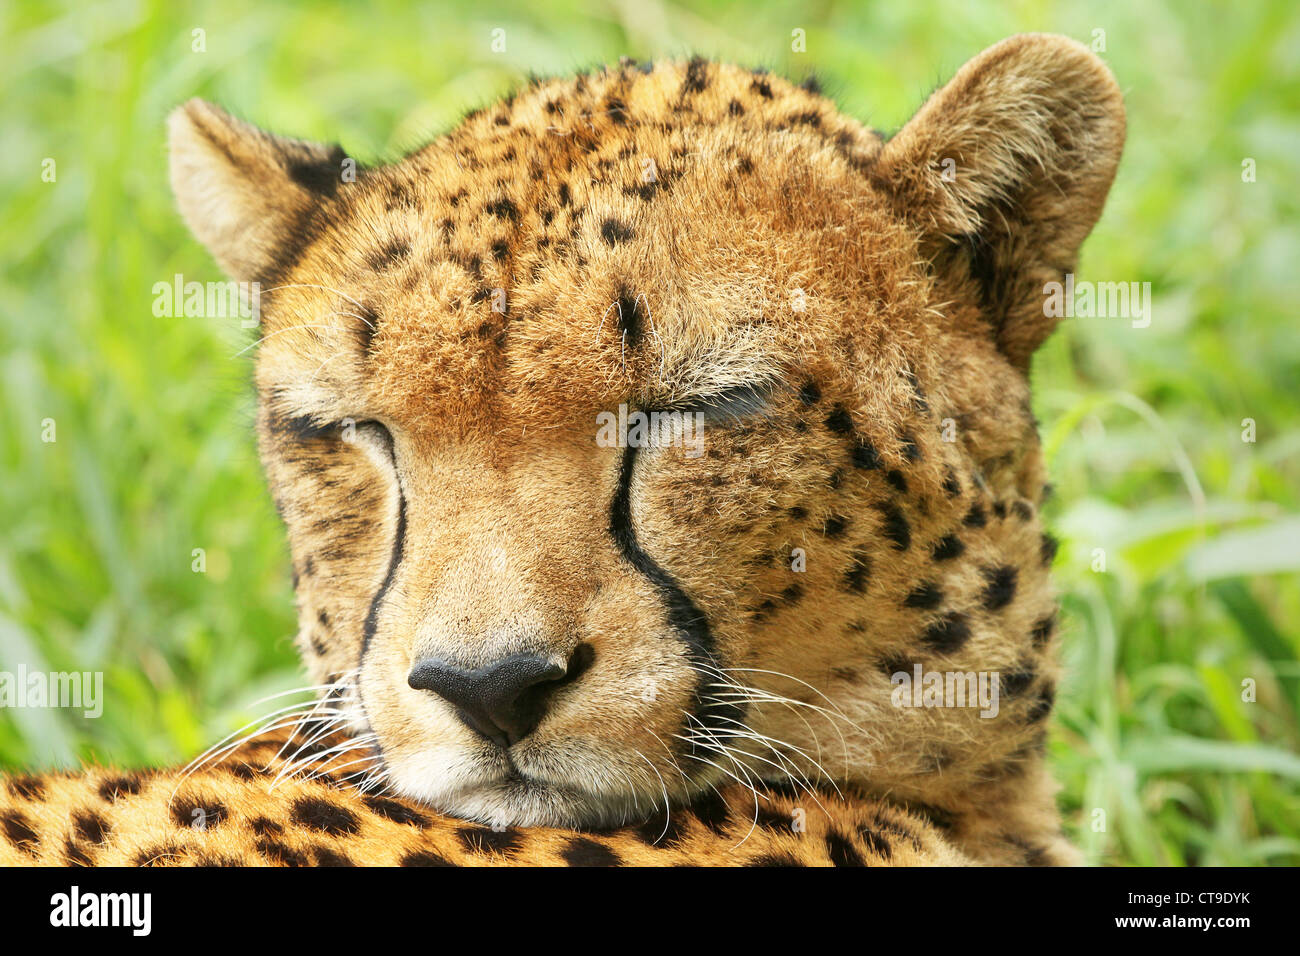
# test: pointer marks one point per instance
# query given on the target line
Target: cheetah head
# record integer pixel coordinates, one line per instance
(629, 436)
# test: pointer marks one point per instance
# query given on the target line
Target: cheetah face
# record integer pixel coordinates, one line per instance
(609, 429)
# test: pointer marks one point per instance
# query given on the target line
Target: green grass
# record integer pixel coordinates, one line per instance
(154, 455)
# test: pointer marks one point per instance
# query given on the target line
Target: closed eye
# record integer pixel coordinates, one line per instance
(306, 428)
(728, 405)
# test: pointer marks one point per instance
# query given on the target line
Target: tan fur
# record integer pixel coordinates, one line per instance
(656, 235)
(236, 813)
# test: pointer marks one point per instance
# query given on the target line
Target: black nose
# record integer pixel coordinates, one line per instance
(503, 701)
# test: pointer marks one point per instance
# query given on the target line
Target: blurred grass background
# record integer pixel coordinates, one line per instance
(1161, 759)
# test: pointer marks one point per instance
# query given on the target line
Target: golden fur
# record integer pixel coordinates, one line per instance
(855, 317)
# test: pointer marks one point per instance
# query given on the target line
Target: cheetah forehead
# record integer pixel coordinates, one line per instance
(649, 232)
(656, 232)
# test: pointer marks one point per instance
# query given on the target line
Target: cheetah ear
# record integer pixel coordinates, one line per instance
(1005, 170)
(245, 194)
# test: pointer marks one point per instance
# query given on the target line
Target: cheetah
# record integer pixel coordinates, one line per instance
(696, 642)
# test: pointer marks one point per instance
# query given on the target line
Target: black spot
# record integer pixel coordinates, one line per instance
(18, 830)
(939, 817)
(75, 855)
(389, 255)
(896, 529)
(792, 594)
(319, 176)
(325, 817)
(775, 859)
(1042, 631)
(1048, 549)
(582, 851)
(397, 812)
(839, 420)
(115, 787)
(697, 76)
(735, 109)
(161, 854)
(858, 573)
(616, 109)
(500, 250)
(926, 596)
(629, 317)
(773, 820)
(424, 858)
(810, 394)
(798, 513)
(91, 827)
(664, 834)
(895, 478)
(1001, 587)
(326, 856)
(1014, 682)
(484, 840)
(947, 634)
(836, 478)
(197, 812)
(369, 320)
(27, 787)
(713, 812)
(976, 517)
(865, 455)
(951, 484)
(565, 197)
(1000, 509)
(894, 664)
(841, 850)
(835, 526)
(646, 190)
(265, 827)
(1022, 510)
(277, 852)
(503, 208)
(911, 450)
(1042, 706)
(613, 231)
(947, 548)
(877, 842)
(811, 84)
(806, 118)
(762, 88)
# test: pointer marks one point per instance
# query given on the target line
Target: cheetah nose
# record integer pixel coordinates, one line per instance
(503, 701)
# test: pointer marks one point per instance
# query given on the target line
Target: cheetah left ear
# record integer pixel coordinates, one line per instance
(1005, 171)
(245, 194)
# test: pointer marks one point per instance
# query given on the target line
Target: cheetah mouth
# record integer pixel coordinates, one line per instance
(533, 789)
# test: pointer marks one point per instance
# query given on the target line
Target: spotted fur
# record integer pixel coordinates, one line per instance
(236, 813)
(439, 336)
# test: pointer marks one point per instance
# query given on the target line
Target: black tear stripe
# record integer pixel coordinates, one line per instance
(394, 559)
(685, 616)
(372, 615)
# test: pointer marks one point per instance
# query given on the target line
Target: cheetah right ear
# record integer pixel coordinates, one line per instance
(245, 194)
(1005, 171)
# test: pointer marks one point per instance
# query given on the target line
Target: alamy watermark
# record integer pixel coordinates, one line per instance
(638, 429)
(1098, 300)
(946, 689)
(64, 689)
(209, 300)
